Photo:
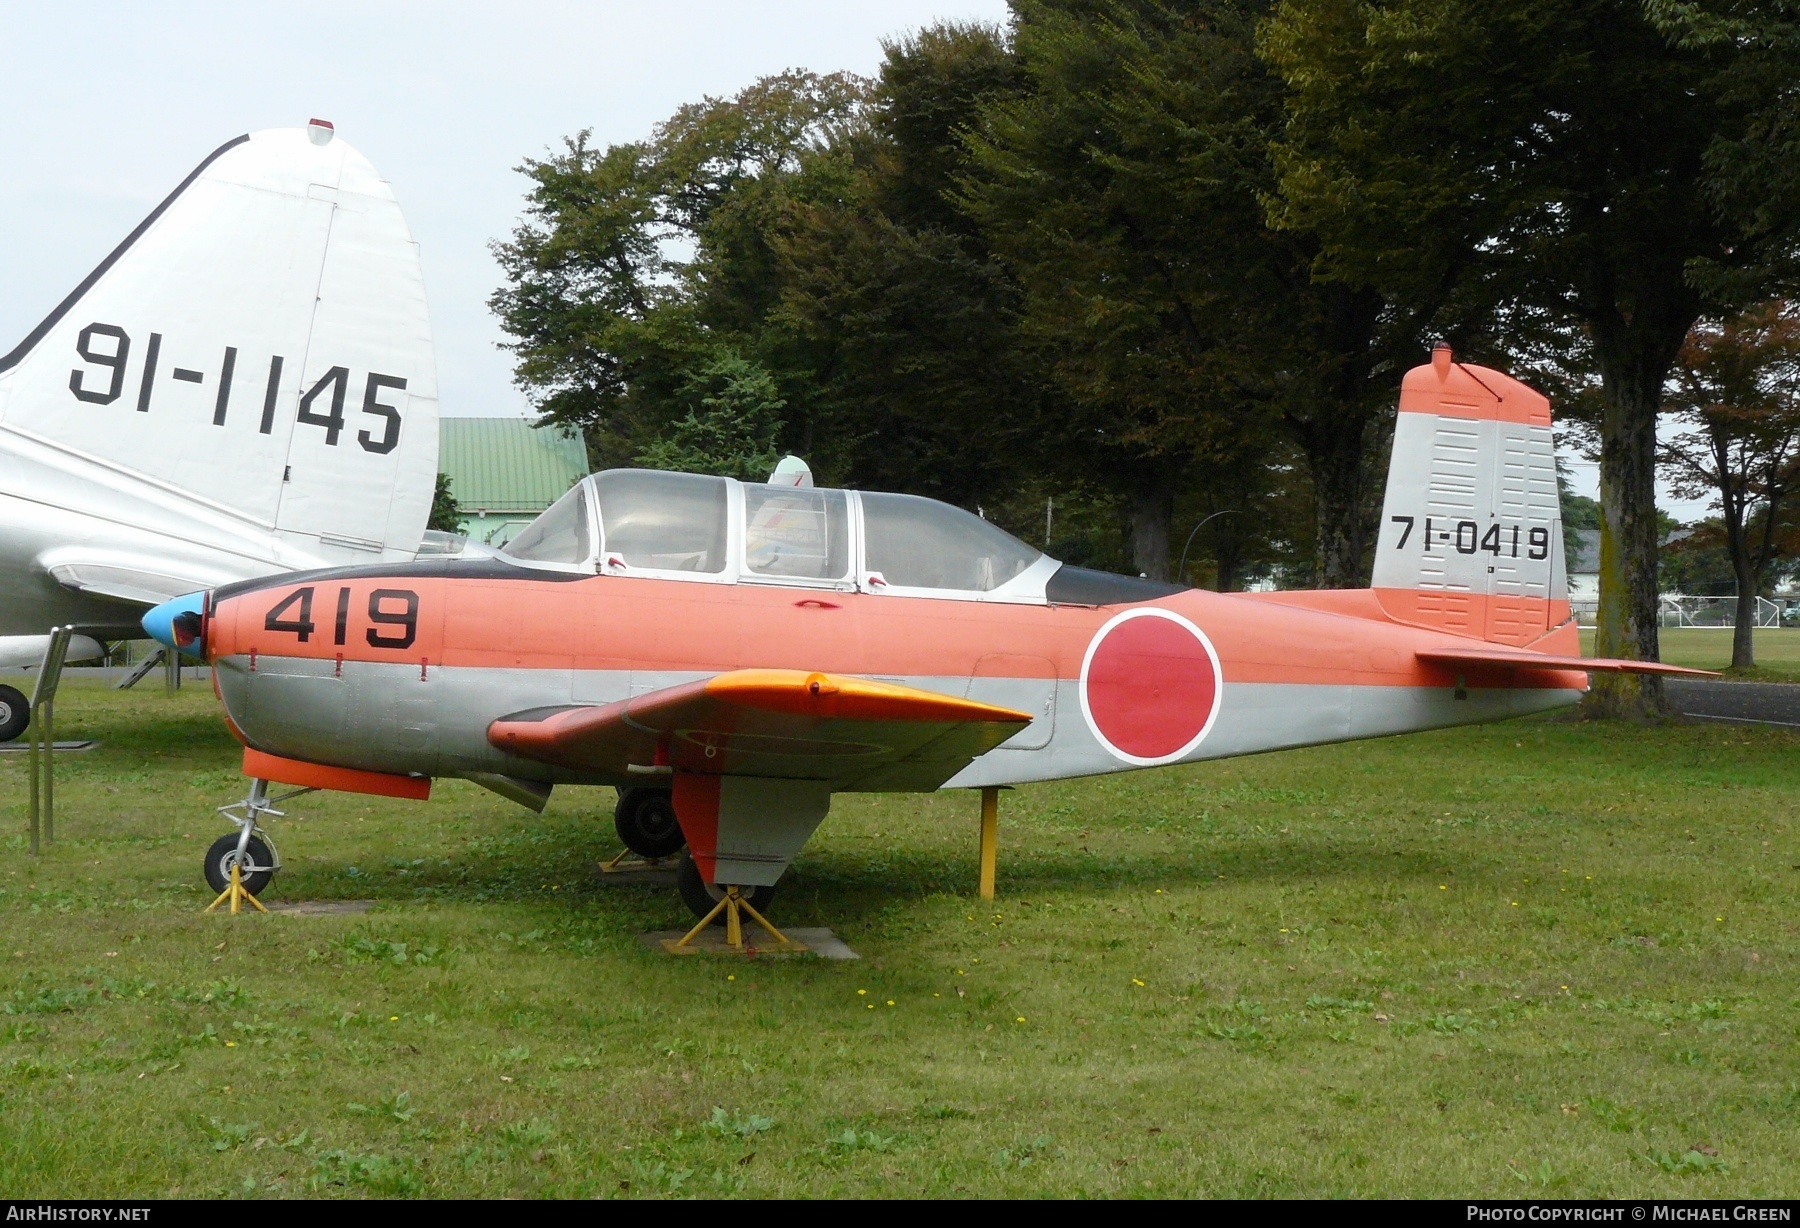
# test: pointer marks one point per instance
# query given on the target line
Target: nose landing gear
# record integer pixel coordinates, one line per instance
(240, 866)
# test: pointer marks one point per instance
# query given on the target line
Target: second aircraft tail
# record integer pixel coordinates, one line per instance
(257, 352)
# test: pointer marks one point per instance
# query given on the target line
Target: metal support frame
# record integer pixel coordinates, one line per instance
(136, 673)
(171, 670)
(990, 838)
(42, 733)
(733, 905)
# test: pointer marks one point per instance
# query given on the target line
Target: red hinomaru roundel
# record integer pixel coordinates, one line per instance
(1150, 686)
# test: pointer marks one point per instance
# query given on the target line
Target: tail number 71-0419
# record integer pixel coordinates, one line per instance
(1499, 540)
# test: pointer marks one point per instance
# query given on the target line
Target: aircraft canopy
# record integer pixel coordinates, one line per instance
(648, 521)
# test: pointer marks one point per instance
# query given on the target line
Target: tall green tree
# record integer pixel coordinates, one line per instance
(1737, 393)
(732, 428)
(641, 263)
(1560, 160)
(896, 328)
(1125, 189)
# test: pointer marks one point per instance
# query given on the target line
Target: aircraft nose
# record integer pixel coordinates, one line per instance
(176, 624)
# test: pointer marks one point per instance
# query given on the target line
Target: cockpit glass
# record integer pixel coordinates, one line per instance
(796, 533)
(664, 521)
(559, 535)
(921, 543)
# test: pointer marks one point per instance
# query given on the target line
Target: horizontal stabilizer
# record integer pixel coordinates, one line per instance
(1537, 660)
(851, 732)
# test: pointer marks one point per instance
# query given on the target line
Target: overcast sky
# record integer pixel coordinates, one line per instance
(107, 106)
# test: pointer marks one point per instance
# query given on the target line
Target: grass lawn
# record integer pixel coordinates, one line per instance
(1545, 957)
(1777, 651)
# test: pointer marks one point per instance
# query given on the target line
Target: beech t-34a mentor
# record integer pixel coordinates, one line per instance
(729, 655)
(244, 386)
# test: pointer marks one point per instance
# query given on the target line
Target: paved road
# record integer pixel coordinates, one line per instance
(1768, 703)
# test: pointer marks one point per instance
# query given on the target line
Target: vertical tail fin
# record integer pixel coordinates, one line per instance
(1471, 528)
(258, 350)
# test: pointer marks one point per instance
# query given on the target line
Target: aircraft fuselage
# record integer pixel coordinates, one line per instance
(403, 670)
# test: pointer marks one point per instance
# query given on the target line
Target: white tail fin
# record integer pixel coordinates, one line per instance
(260, 347)
(1471, 529)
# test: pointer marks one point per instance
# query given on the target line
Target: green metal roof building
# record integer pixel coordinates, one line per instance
(504, 471)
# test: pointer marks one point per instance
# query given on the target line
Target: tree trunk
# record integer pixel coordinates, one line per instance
(1152, 507)
(1336, 463)
(1225, 561)
(1743, 642)
(1334, 434)
(1627, 621)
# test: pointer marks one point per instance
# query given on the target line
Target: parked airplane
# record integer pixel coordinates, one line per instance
(245, 386)
(729, 655)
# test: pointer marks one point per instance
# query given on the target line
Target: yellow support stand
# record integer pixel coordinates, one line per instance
(733, 905)
(237, 894)
(990, 838)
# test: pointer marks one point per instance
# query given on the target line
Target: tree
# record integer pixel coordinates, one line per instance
(731, 427)
(1515, 163)
(640, 263)
(446, 512)
(1737, 388)
(1124, 188)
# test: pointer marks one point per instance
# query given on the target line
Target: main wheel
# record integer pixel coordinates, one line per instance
(224, 852)
(700, 896)
(15, 713)
(646, 823)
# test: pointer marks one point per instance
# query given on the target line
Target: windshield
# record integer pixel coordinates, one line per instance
(798, 533)
(921, 543)
(560, 535)
(664, 521)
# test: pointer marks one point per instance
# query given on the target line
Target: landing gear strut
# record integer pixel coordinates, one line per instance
(239, 867)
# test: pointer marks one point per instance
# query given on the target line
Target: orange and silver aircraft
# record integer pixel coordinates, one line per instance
(729, 655)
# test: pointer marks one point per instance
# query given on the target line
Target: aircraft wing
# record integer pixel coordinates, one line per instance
(852, 732)
(1520, 659)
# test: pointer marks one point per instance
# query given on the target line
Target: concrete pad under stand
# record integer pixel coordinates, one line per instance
(815, 940)
(660, 872)
(321, 908)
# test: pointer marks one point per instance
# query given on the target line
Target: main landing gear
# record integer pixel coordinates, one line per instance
(240, 866)
(646, 823)
(647, 826)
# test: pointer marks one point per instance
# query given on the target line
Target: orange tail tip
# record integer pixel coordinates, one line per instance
(261, 766)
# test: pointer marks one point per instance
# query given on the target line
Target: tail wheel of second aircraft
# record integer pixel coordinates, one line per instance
(646, 823)
(15, 713)
(700, 895)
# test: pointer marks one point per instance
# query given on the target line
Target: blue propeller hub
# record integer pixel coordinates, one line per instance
(176, 624)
